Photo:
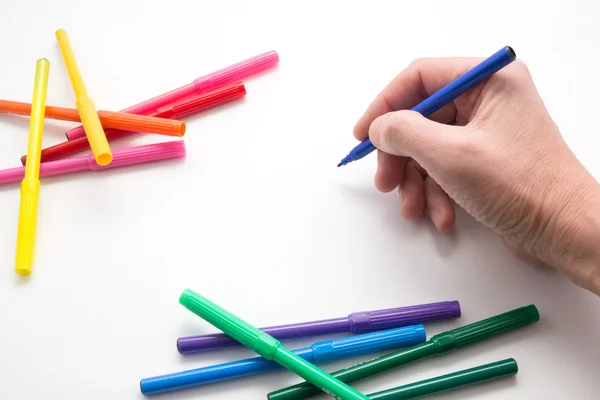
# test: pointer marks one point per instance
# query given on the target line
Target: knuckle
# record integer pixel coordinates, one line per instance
(395, 124)
(389, 129)
(394, 131)
(418, 63)
(521, 67)
(415, 63)
(518, 73)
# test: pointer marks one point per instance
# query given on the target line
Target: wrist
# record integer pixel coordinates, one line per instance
(572, 242)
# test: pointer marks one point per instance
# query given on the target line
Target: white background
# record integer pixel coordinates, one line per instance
(257, 217)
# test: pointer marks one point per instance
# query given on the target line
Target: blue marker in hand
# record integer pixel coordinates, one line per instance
(451, 91)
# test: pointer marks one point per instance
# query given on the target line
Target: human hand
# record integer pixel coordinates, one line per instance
(497, 153)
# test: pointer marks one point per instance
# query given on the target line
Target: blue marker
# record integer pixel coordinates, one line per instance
(451, 91)
(319, 353)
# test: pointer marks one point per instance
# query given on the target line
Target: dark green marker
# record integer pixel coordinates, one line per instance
(439, 344)
(455, 380)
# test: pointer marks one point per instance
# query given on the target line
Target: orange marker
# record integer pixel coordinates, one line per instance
(109, 119)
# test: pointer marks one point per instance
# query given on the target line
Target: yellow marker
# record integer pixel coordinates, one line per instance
(30, 186)
(85, 106)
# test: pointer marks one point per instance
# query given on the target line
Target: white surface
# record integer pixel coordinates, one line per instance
(258, 218)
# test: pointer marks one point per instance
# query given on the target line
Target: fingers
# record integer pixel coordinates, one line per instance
(412, 193)
(438, 206)
(390, 171)
(417, 82)
(418, 192)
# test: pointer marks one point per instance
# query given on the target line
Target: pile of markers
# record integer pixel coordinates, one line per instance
(376, 331)
(158, 115)
(400, 329)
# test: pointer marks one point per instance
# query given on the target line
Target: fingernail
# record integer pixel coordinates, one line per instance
(375, 130)
(435, 216)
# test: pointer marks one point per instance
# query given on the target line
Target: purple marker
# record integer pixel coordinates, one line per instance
(358, 322)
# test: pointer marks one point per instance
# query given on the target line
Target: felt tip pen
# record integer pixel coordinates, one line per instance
(451, 91)
(85, 106)
(30, 186)
(109, 119)
(456, 380)
(319, 353)
(364, 321)
(182, 108)
(206, 83)
(121, 158)
(438, 345)
(266, 346)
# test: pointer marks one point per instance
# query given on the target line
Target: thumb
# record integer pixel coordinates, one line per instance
(409, 134)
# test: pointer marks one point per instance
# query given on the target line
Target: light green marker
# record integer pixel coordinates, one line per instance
(267, 346)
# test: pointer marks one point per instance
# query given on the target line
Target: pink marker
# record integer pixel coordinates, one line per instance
(206, 83)
(121, 158)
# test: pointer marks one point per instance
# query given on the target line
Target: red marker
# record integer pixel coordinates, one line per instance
(187, 106)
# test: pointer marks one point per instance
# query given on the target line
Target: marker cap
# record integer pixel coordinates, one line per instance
(196, 103)
(478, 331)
(392, 317)
(331, 350)
(235, 327)
(237, 71)
(143, 154)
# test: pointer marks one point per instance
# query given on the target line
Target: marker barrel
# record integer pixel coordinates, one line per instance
(84, 104)
(358, 322)
(30, 186)
(319, 353)
(109, 119)
(121, 158)
(455, 380)
(438, 345)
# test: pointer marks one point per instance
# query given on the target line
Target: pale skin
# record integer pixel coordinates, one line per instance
(494, 151)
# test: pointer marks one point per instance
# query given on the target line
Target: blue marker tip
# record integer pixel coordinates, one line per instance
(451, 91)
(361, 150)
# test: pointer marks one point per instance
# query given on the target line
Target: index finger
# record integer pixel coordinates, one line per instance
(419, 80)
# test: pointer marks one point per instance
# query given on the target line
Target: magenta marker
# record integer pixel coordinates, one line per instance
(206, 83)
(121, 158)
(358, 322)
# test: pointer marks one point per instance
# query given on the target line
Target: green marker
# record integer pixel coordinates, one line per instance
(455, 380)
(266, 346)
(439, 344)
